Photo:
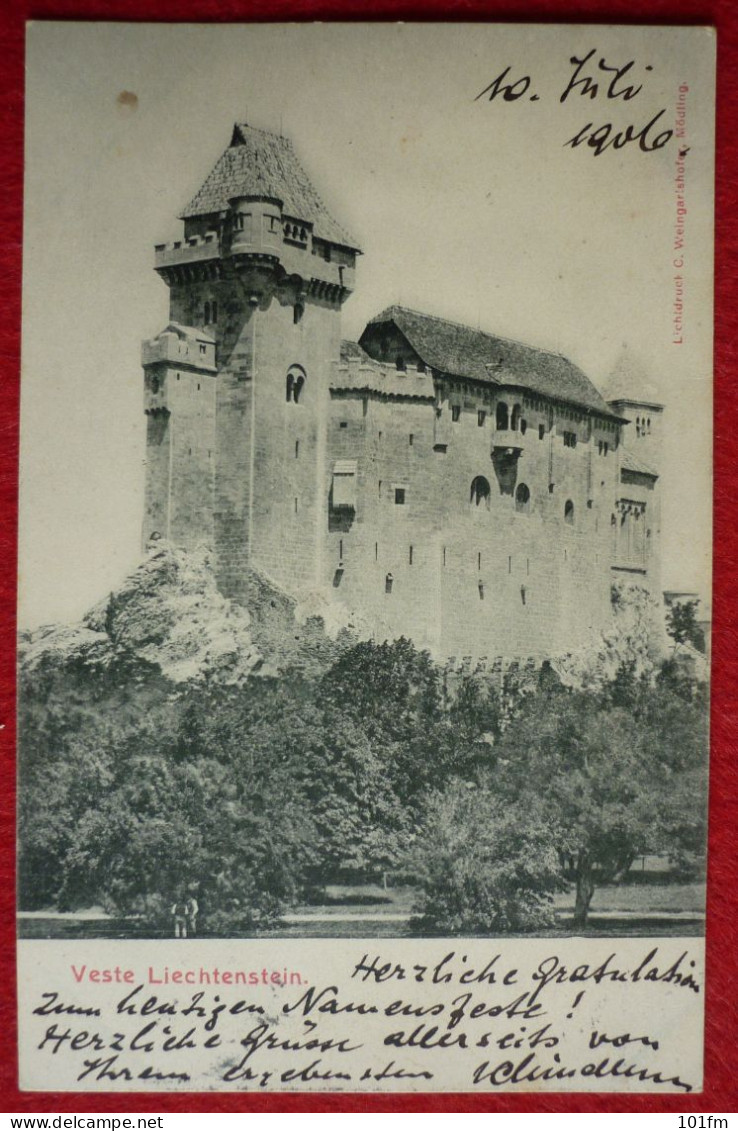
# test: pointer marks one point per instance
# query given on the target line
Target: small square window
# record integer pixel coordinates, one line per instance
(343, 424)
(399, 496)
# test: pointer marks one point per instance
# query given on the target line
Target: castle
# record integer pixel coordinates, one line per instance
(472, 493)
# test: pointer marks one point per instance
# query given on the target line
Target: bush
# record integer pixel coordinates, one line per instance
(483, 867)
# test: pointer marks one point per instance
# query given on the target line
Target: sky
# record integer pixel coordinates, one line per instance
(473, 209)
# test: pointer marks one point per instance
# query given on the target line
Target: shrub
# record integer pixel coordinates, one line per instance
(483, 867)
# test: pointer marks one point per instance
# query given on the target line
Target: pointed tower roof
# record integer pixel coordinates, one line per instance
(630, 380)
(262, 164)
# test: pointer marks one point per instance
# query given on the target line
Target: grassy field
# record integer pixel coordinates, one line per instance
(648, 907)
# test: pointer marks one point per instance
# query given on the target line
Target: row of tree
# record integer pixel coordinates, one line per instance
(487, 798)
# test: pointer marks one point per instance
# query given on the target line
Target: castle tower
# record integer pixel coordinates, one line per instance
(631, 394)
(256, 290)
(179, 402)
(637, 515)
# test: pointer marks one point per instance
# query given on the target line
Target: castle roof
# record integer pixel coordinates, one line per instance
(629, 462)
(262, 164)
(630, 381)
(461, 351)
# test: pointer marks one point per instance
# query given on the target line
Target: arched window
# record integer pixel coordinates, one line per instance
(569, 512)
(522, 498)
(515, 421)
(479, 492)
(502, 417)
(206, 315)
(295, 383)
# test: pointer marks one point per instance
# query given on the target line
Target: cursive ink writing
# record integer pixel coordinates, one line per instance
(593, 77)
(404, 1016)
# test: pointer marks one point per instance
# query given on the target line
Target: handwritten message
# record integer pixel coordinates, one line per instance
(468, 1015)
(593, 77)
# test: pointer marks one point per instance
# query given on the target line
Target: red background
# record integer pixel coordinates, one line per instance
(721, 1055)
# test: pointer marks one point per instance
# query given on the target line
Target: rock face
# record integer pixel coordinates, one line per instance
(169, 614)
(636, 638)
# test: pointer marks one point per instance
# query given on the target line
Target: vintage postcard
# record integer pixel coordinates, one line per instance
(365, 543)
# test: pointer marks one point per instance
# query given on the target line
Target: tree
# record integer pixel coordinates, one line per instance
(682, 626)
(323, 758)
(616, 778)
(483, 866)
(393, 692)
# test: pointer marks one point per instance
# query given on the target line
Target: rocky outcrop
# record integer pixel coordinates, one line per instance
(169, 615)
(636, 639)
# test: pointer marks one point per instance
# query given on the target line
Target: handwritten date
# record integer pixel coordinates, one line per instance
(593, 77)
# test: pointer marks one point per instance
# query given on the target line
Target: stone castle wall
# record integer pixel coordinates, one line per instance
(464, 570)
(467, 577)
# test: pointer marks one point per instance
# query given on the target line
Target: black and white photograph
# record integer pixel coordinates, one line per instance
(365, 550)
